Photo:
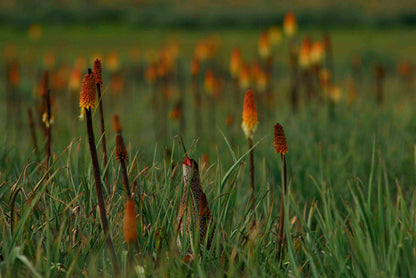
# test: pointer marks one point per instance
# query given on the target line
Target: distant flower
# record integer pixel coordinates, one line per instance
(264, 45)
(289, 24)
(129, 222)
(235, 62)
(249, 123)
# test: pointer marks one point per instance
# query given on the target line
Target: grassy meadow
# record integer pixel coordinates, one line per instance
(351, 162)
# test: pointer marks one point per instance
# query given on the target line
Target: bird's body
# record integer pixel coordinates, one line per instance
(194, 209)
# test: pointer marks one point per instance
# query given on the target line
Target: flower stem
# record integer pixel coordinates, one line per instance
(103, 142)
(282, 207)
(99, 190)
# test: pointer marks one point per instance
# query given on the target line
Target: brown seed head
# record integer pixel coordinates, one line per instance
(249, 123)
(87, 95)
(280, 139)
(121, 152)
(129, 222)
(116, 124)
(98, 72)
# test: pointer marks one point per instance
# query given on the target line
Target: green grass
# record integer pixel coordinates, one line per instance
(351, 203)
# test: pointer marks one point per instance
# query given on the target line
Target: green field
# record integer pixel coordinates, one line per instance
(351, 174)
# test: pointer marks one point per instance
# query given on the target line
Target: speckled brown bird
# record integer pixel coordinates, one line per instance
(196, 207)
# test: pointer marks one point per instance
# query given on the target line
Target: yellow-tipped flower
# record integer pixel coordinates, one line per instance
(245, 77)
(305, 53)
(75, 80)
(98, 72)
(235, 62)
(317, 53)
(129, 222)
(113, 61)
(264, 45)
(289, 24)
(262, 80)
(209, 82)
(335, 94)
(280, 139)
(249, 123)
(87, 95)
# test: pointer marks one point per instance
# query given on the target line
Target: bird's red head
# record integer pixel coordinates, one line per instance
(187, 161)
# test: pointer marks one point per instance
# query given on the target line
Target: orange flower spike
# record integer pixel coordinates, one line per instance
(280, 139)
(98, 72)
(14, 73)
(249, 123)
(245, 77)
(113, 61)
(209, 82)
(305, 53)
(235, 62)
(264, 45)
(75, 80)
(116, 124)
(129, 222)
(289, 24)
(195, 66)
(151, 73)
(87, 96)
(317, 53)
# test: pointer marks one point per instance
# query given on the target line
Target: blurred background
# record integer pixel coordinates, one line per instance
(335, 73)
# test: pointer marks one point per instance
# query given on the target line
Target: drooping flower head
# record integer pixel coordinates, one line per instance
(87, 95)
(280, 139)
(129, 222)
(249, 123)
(98, 72)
